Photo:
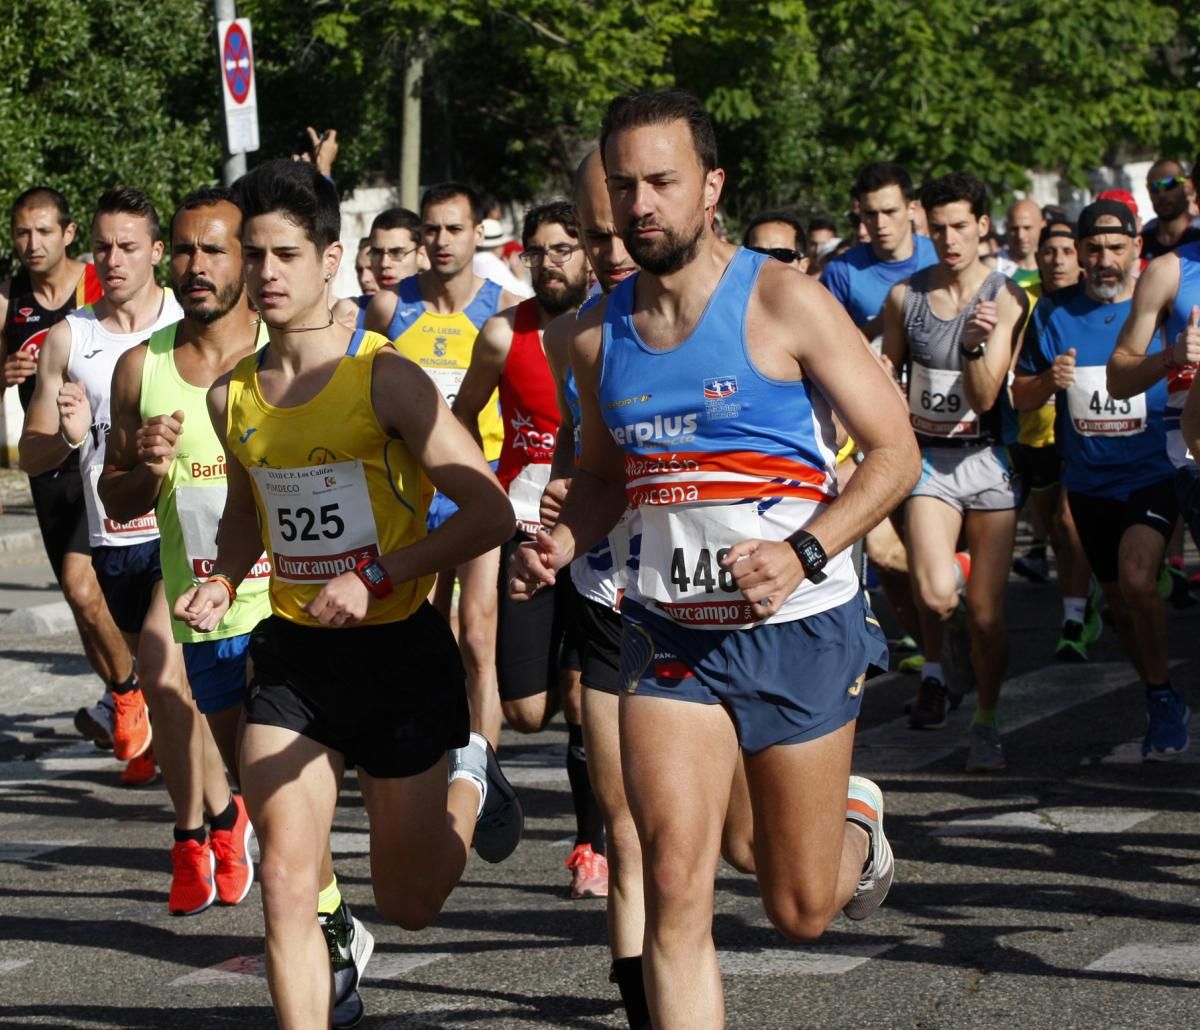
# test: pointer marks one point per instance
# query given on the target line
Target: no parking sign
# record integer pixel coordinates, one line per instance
(236, 52)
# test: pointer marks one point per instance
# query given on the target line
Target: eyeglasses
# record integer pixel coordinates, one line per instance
(1162, 185)
(779, 253)
(559, 254)
(395, 253)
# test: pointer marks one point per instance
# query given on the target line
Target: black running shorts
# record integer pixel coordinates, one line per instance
(61, 515)
(1102, 522)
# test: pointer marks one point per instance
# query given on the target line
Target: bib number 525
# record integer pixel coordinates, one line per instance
(705, 575)
(302, 523)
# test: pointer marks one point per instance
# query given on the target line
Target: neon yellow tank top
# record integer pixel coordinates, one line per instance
(331, 485)
(192, 497)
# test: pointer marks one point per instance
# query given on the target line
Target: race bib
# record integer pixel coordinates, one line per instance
(937, 404)
(1094, 413)
(144, 525)
(680, 566)
(319, 520)
(447, 380)
(525, 493)
(199, 510)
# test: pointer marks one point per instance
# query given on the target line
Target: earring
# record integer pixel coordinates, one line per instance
(327, 277)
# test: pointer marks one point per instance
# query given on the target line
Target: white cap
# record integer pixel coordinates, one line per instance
(493, 234)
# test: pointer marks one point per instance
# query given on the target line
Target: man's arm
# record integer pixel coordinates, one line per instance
(380, 310)
(483, 375)
(49, 417)
(999, 324)
(138, 455)
(895, 343)
(555, 341)
(18, 366)
(1130, 369)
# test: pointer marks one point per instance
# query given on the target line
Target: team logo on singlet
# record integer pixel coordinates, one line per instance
(439, 346)
(719, 388)
(25, 315)
(321, 456)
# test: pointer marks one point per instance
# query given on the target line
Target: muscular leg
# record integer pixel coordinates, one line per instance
(102, 642)
(931, 528)
(990, 536)
(477, 602)
(225, 729)
(737, 835)
(1140, 557)
(421, 832)
(291, 787)
(679, 795)
(811, 861)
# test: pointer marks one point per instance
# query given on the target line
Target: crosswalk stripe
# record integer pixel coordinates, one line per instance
(11, 965)
(814, 959)
(389, 967)
(24, 850)
(1024, 699)
(1151, 960)
(1045, 820)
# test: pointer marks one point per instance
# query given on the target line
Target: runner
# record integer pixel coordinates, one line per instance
(530, 652)
(352, 311)
(1173, 224)
(48, 286)
(1115, 466)
(1022, 228)
(75, 376)
(395, 251)
(955, 327)
(329, 441)
(718, 613)
(435, 320)
(779, 235)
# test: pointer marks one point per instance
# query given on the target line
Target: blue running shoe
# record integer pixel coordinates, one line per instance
(1167, 735)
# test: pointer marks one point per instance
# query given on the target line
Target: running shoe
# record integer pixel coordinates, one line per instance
(984, 753)
(131, 728)
(906, 644)
(589, 873)
(962, 570)
(193, 885)
(96, 723)
(141, 770)
(864, 806)
(502, 820)
(914, 663)
(1072, 646)
(1174, 587)
(929, 711)
(1167, 733)
(231, 851)
(1093, 617)
(350, 947)
(1033, 565)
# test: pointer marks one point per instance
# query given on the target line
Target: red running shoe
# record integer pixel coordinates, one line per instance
(193, 885)
(131, 725)
(589, 873)
(231, 853)
(140, 770)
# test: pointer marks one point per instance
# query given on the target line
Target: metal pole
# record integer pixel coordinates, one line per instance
(235, 164)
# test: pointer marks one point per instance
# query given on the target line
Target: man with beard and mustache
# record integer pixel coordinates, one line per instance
(530, 660)
(955, 326)
(1118, 477)
(1173, 224)
(154, 464)
(744, 626)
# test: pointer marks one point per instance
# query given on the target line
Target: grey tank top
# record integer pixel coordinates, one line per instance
(934, 342)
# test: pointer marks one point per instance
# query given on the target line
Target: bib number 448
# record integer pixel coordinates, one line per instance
(303, 523)
(705, 574)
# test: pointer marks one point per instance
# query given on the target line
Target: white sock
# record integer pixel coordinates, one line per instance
(1074, 609)
(932, 670)
(477, 773)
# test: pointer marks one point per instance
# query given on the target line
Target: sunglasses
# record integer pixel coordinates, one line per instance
(1162, 185)
(779, 253)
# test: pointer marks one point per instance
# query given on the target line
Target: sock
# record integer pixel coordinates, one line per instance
(226, 819)
(199, 835)
(985, 717)
(1154, 687)
(125, 687)
(589, 823)
(1074, 609)
(330, 899)
(470, 763)
(932, 670)
(626, 973)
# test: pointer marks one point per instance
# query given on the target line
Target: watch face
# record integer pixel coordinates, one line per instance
(811, 552)
(374, 573)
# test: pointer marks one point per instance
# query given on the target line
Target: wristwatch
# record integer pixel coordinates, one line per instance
(811, 554)
(973, 355)
(374, 577)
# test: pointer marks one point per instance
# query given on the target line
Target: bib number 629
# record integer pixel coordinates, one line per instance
(302, 523)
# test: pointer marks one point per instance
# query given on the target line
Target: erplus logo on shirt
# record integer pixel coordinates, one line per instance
(720, 387)
(24, 315)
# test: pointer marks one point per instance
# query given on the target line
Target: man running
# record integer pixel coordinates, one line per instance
(434, 322)
(47, 287)
(779, 235)
(71, 410)
(395, 250)
(509, 356)
(330, 437)
(1115, 467)
(1022, 227)
(696, 381)
(1173, 224)
(955, 327)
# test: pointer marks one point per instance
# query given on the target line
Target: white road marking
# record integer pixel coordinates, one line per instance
(24, 850)
(239, 970)
(1025, 699)
(1130, 753)
(390, 967)
(815, 960)
(1151, 960)
(1047, 820)
(11, 965)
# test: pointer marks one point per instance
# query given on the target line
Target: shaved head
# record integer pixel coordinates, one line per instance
(605, 251)
(1025, 223)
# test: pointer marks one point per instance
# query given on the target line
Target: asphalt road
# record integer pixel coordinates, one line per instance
(1062, 893)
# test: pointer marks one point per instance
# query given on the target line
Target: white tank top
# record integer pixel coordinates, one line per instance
(94, 354)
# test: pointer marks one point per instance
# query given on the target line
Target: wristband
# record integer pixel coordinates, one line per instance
(66, 440)
(226, 582)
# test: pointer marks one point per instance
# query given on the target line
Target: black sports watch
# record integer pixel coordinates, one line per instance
(374, 577)
(811, 554)
(973, 355)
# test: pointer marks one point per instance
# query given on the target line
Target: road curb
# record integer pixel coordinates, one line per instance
(39, 620)
(21, 540)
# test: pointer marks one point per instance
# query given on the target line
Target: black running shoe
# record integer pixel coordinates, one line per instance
(350, 947)
(499, 826)
(929, 713)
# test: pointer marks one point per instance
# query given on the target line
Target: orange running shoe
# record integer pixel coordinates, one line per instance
(140, 770)
(193, 885)
(231, 852)
(131, 725)
(589, 873)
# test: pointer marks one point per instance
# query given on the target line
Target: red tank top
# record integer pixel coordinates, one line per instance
(529, 405)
